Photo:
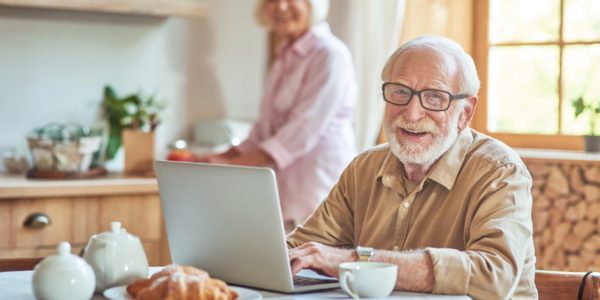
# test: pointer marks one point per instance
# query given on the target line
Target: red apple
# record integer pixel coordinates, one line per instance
(181, 155)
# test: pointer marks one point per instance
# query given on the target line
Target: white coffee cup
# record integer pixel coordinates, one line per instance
(368, 279)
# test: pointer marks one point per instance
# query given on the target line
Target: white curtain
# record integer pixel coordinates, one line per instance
(371, 29)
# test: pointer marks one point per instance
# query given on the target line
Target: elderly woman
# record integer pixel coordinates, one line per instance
(304, 131)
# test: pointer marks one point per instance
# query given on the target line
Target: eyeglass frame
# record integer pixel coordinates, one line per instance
(418, 93)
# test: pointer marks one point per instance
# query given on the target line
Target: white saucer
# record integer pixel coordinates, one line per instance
(117, 293)
(120, 293)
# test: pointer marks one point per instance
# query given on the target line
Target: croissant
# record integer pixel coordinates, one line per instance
(176, 282)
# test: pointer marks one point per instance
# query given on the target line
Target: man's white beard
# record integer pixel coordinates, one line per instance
(414, 153)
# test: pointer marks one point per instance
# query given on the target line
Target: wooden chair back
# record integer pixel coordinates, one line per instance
(557, 285)
(18, 264)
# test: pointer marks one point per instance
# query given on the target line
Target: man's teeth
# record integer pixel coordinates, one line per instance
(414, 131)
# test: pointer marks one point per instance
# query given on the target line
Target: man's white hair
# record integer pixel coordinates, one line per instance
(468, 81)
(318, 11)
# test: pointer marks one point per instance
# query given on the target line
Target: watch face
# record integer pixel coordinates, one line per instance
(364, 251)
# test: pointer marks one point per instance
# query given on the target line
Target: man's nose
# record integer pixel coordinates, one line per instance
(413, 111)
(282, 5)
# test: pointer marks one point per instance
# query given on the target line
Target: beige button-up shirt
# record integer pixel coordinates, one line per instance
(471, 214)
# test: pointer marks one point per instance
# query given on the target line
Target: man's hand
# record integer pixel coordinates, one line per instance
(318, 257)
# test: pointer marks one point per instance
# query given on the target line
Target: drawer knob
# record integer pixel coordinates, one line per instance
(37, 220)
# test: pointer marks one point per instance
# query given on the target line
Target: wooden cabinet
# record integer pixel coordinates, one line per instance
(179, 8)
(77, 210)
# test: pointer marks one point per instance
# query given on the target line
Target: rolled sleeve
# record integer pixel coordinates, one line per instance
(277, 151)
(450, 261)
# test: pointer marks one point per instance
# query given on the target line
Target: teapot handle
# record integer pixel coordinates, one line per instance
(109, 261)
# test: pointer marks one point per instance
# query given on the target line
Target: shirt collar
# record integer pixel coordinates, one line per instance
(444, 171)
(304, 43)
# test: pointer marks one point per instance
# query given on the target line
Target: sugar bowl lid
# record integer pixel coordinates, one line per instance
(62, 260)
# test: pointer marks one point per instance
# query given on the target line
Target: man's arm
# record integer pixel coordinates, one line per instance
(332, 222)
(415, 271)
(498, 240)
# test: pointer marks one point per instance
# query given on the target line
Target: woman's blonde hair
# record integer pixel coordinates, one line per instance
(318, 11)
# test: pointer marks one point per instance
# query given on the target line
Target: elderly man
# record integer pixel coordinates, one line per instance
(450, 206)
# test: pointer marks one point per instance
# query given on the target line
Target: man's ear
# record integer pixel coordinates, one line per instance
(466, 115)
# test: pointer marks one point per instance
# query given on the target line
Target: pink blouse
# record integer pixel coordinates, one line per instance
(305, 121)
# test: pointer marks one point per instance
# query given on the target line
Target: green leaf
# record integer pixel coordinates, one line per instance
(578, 105)
(114, 142)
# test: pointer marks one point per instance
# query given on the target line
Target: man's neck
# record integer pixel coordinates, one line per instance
(416, 172)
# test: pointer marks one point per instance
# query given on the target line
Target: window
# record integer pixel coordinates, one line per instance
(534, 58)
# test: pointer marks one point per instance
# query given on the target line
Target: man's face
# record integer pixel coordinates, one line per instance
(417, 135)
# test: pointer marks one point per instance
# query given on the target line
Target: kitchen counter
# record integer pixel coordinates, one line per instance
(18, 186)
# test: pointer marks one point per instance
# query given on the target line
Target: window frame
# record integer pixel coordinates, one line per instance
(481, 47)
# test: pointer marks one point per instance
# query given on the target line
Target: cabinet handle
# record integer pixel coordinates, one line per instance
(37, 220)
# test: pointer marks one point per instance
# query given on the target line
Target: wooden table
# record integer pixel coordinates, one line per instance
(17, 286)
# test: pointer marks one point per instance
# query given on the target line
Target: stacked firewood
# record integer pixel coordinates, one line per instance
(566, 213)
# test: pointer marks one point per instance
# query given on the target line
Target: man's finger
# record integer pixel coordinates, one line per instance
(300, 263)
(302, 250)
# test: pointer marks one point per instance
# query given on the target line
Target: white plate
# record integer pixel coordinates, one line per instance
(120, 293)
(246, 294)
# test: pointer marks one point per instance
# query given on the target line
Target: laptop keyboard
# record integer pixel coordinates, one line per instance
(303, 281)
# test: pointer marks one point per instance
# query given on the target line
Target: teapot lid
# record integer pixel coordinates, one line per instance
(116, 232)
(63, 260)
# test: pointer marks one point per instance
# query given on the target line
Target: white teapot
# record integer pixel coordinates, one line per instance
(63, 276)
(117, 257)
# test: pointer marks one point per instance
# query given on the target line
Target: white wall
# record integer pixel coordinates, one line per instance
(54, 64)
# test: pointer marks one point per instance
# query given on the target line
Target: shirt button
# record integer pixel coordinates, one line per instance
(406, 204)
(396, 248)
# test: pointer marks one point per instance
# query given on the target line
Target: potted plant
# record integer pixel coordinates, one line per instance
(131, 120)
(592, 141)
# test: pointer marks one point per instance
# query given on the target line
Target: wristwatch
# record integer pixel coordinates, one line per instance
(364, 253)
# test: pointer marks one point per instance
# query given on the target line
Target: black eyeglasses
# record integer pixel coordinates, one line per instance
(430, 99)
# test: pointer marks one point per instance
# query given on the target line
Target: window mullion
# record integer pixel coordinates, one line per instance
(561, 46)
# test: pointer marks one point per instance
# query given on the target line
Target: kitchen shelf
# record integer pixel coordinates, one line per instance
(178, 8)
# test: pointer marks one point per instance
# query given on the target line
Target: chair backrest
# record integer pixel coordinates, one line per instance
(18, 264)
(558, 285)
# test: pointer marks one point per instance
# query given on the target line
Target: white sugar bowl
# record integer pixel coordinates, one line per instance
(63, 276)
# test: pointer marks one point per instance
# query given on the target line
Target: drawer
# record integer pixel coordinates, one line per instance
(153, 252)
(76, 219)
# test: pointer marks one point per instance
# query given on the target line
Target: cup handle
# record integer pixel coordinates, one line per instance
(346, 283)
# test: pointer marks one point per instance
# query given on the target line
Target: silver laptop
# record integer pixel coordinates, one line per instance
(227, 221)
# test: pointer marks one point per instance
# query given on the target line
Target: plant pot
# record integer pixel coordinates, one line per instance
(592, 143)
(139, 152)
